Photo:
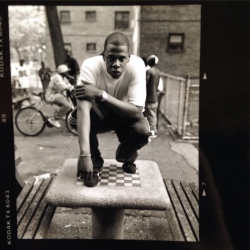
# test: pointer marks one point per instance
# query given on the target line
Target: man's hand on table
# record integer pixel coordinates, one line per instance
(85, 171)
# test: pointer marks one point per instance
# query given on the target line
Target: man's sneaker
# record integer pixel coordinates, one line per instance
(55, 123)
(153, 134)
(129, 168)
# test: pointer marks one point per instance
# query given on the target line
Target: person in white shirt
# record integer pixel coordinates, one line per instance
(22, 78)
(152, 78)
(111, 93)
(54, 93)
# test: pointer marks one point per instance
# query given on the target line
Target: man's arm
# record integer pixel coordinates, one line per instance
(126, 110)
(90, 92)
(83, 129)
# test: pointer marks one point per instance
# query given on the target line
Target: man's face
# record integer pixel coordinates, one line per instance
(116, 59)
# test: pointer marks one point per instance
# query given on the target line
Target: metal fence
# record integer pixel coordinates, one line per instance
(180, 104)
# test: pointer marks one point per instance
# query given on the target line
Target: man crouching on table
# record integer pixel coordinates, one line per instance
(111, 93)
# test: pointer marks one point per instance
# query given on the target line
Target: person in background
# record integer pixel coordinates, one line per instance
(73, 67)
(111, 93)
(45, 75)
(160, 93)
(22, 79)
(152, 82)
(54, 93)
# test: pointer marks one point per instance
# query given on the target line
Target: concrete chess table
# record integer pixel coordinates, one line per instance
(115, 192)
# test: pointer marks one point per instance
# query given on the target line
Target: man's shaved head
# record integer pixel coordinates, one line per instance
(117, 39)
(116, 54)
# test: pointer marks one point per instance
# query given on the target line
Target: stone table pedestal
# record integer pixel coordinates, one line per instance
(115, 192)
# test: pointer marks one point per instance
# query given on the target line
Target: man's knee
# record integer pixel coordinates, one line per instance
(142, 129)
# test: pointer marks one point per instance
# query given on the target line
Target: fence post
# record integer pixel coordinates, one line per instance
(166, 96)
(181, 105)
(185, 106)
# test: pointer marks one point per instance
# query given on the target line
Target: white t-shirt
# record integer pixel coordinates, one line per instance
(56, 85)
(130, 87)
(23, 77)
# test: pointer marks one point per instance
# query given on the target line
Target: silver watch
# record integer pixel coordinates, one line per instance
(104, 96)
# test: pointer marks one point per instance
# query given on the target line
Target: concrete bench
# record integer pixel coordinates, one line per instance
(183, 213)
(115, 192)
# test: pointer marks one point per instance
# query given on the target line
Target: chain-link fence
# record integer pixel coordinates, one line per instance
(180, 105)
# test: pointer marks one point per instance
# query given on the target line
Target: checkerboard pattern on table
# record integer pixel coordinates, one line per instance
(113, 175)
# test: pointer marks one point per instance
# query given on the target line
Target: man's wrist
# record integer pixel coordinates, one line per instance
(85, 152)
(99, 95)
(104, 96)
(85, 155)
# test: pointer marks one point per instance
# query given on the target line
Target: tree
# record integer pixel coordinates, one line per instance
(55, 34)
(26, 29)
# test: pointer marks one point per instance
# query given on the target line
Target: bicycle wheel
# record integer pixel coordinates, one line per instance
(70, 129)
(30, 121)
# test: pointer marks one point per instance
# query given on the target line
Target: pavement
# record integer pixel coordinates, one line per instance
(47, 152)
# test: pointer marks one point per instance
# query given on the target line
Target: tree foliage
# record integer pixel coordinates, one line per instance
(26, 29)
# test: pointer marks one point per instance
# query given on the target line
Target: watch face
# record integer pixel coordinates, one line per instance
(104, 96)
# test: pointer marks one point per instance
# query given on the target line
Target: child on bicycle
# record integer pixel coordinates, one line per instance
(54, 94)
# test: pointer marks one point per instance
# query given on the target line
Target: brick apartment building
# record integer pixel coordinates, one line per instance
(85, 28)
(173, 34)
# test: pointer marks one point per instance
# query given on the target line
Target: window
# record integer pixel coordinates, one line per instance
(90, 16)
(64, 16)
(122, 20)
(67, 46)
(91, 46)
(176, 42)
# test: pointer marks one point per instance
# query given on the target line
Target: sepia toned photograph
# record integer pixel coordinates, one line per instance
(124, 125)
(106, 121)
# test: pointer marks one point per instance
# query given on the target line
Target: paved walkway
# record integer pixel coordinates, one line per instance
(47, 152)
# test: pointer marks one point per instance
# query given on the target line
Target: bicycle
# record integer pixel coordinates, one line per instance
(31, 121)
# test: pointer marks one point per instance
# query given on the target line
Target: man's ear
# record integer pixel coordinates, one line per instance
(103, 55)
(129, 54)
